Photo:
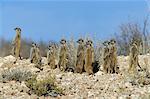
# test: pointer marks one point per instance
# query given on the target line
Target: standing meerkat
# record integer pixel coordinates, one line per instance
(33, 58)
(134, 52)
(51, 57)
(80, 56)
(16, 44)
(38, 55)
(63, 55)
(113, 56)
(106, 57)
(92, 49)
(89, 57)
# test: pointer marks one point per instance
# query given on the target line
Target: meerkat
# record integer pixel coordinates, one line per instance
(51, 57)
(63, 55)
(106, 57)
(92, 49)
(113, 56)
(89, 57)
(33, 58)
(16, 44)
(38, 55)
(134, 52)
(146, 69)
(80, 56)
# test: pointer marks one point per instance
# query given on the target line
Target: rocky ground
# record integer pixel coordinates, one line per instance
(79, 86)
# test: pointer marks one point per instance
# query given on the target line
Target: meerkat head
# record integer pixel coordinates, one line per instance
(89, 43)
(80, 41)
(109, 43)
(105, 43)
(33, 44)
(133, 42)
(50, 47)
(63, 41)
(17, 29)
(113, 41)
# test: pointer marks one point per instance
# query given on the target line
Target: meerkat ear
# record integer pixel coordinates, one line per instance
(78, 41)
(32, 43)
(15, 28)
(35, 44)
(104, 43)
(19, 29)
(109, 42)
(82, 40)
(65, 41)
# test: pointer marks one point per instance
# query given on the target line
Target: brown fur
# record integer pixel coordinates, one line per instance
(17, 43)
(35, 56)
(106, 58)
(51, 57)
(38, 58)
(133, 58)
(63, 56)
(38, 55)
(80, 57)
(88, 58)
(33, 52)
(113, 56)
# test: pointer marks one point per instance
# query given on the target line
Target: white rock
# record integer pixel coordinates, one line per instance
(127, 84)
(1, 64)
(99, 73)
(134, 96)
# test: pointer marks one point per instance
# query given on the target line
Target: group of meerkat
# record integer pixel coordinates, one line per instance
(35, 56)
(85, 55)
(110, 57)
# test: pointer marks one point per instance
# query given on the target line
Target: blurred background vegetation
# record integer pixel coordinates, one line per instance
(126, 32)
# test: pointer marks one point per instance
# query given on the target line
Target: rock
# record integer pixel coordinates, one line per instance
(1, 64)
(33, 96)
(123, 97)
(133, 96)
(99, 73)
(127, 84)
(23, 87)
(75, 85)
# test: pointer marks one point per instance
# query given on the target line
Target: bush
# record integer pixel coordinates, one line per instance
(46, 87)
(16, 74)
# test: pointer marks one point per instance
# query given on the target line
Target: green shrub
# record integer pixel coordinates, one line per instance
(46, 87)
(17, 74)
